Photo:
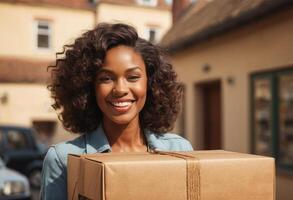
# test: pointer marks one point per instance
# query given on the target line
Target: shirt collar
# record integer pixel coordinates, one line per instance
(97, 142)
(154, 141)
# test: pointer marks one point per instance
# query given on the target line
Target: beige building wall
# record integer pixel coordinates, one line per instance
(29, 102)
(18, 28)
(265, 45)
(26, 103)
(22, 106)
(141, 17)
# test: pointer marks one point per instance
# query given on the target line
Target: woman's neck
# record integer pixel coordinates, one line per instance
(125, 137)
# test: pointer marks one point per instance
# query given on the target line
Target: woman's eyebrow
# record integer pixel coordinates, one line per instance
(133, 68)
(104, 69)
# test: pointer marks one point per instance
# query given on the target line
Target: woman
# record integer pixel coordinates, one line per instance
(119, 91)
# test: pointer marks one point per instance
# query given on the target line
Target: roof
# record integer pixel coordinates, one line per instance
(77, 4)
(204, 20)
(23, 70)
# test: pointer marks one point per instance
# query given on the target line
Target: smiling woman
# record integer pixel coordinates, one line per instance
(121, 86)
(119, 92)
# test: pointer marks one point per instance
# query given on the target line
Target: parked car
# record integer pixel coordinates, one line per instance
(19, 150)
(13, 185)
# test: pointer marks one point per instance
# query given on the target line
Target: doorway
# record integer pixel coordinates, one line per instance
(211, 114)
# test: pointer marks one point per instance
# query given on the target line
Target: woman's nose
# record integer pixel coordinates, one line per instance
(120, 88)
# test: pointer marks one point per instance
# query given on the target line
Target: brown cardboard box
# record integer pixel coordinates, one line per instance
(199, 175)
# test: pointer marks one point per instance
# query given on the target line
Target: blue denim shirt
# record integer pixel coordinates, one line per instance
(54, 174)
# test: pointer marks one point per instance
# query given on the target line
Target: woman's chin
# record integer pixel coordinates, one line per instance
(122, 120)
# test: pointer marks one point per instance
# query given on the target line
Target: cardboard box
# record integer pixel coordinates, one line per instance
(198, 175)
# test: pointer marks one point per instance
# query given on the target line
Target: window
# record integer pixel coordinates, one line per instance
(16, 140)
(1, 141)
(1, 137)
(43, 35)
(148, 2)
(93, 1)
(272, 115)
(262, 99)
(152, 34)
(182, 113)
(169, 2)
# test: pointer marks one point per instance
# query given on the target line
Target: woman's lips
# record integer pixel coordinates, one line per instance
(121, 106)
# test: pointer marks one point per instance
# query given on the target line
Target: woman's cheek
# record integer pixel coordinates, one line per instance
(102, 91)
(140, 93)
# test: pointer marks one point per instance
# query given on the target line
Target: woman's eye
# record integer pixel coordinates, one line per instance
(133, 77)
(105, 79)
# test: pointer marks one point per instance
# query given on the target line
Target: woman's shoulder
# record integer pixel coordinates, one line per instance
(61, 150)
(169, 142)
(55, 166)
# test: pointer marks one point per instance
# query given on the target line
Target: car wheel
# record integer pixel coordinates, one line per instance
(35, 178)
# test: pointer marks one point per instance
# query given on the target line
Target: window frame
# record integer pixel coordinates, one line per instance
(273, 76)
(37, 22)
(169, 2)
(151, 3)
(147, 33)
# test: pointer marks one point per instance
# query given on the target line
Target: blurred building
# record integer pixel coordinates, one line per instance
(32, 31)
(151, 18)
(235, 59)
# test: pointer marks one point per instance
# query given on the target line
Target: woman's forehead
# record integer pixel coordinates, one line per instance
(123, 57)
(122, 53)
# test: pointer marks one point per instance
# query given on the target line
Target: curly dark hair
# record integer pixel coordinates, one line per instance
(72, 80)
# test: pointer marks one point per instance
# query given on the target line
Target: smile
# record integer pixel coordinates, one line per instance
(121, 106)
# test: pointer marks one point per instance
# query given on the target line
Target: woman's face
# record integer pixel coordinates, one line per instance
(121, 85)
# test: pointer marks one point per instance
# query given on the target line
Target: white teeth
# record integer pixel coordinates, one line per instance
(121, 104)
